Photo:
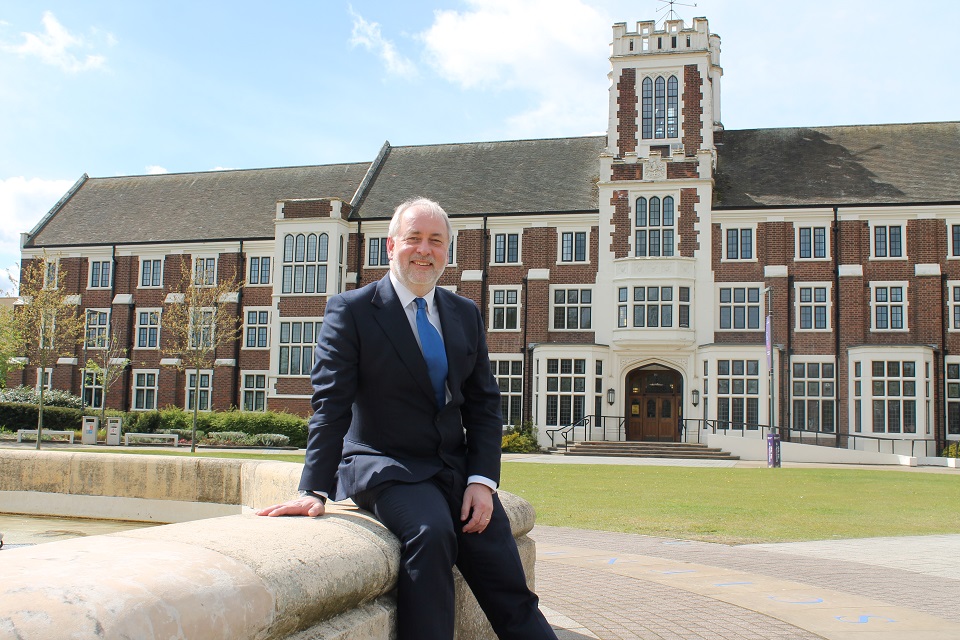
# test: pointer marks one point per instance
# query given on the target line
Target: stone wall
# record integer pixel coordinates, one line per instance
(230, 577)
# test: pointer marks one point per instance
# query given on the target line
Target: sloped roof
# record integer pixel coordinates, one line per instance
(865, 164)
(525, 176)
(190, 206)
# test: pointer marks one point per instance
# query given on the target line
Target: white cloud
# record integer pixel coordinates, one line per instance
(555, 49)
(23, 202)
(368, 35)
(155, 169)
(54, 47)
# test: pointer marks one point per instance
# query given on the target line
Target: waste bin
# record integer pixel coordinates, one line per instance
(89, 432)
(113, 431)
(773, 450)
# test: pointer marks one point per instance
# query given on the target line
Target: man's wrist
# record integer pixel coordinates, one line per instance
(483, 480)
(313, 494)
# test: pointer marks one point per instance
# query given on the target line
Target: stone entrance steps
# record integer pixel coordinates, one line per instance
(683, 450)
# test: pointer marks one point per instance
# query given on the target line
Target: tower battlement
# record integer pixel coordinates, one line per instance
(674, 36)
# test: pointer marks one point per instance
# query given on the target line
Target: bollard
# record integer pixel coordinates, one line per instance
(773, 450)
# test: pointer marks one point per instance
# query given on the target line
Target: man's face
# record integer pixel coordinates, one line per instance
(418, 254)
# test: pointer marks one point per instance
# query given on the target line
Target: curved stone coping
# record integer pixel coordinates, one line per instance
(233, 577)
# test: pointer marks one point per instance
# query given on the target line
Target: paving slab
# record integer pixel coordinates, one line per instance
(615, 585)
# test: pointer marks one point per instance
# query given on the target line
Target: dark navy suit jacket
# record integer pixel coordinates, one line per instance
(375, 417)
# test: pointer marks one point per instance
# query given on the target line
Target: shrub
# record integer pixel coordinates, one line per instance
(521, 439)
(51, 398)
(269, 440)
(19, 415)
(142, 422)
(244, 439)
(226, 437)
(183, 434)
(951, 450)
(260, 422)
(167, 420)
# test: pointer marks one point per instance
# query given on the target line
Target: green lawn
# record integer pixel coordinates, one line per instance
(738, 506)
(733, 506)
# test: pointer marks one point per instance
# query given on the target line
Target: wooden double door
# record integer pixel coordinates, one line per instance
(653, 405)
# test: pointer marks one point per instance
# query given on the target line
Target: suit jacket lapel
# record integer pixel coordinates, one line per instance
(392, 318)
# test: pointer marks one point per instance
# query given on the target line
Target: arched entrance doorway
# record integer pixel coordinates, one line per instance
(654, 404)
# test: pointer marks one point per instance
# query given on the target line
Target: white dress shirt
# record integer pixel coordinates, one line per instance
(407, 298)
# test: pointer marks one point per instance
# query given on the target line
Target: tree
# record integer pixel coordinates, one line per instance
(49, 319)
(106, 358)
(195, 326)
(11, 342)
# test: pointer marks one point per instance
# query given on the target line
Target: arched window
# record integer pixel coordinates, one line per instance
(647, 99)
(660, 108)
(304, 263)
(672, 100)
(654, 227)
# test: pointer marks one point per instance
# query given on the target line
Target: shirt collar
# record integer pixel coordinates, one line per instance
(406, 296)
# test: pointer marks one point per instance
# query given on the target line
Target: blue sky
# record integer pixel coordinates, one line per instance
(125, 88)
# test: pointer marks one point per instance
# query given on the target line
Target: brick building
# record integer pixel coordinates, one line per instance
(627, 280)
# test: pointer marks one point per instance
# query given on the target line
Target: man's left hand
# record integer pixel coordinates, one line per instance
(477, 508)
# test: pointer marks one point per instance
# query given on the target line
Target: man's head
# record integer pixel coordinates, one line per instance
(417, 242)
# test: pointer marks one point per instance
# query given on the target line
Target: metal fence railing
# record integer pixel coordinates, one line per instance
(613, 429)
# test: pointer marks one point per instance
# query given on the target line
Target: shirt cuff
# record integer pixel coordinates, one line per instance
(316, 494)
(487, 482)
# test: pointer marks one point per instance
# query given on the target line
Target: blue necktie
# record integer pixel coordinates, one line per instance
(433, 352)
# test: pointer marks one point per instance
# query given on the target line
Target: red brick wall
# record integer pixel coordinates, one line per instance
(627, 112)
(627, 172)
(692, 109)
(687, 218)
(621, 223)
(293, 209)
(677, 170)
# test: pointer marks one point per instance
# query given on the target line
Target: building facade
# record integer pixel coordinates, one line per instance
(666, 278)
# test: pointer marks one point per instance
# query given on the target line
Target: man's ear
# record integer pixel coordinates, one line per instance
(390, 246)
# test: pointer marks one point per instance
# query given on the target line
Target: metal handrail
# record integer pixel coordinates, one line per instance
(787, 435)
(589, 424)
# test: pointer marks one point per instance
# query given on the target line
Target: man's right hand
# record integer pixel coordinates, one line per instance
(305, 506)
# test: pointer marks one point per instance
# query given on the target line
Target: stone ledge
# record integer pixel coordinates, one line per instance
(232, 577)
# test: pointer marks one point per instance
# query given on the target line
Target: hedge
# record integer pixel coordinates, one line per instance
(19, 415)
(175, 420)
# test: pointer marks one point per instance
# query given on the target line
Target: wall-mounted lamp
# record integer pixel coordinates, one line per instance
(696, 397)
(611, 396)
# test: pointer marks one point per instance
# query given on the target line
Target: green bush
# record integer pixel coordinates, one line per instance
(227, 437)
(951, 450)
(51, 397)
(176, 420)
(238, 438)
(19, 415)
(259, 422)
(167, 420)
(521, 439)
(184, 434)
(269, 440)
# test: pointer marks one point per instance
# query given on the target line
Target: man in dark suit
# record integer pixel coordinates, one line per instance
(407, 423)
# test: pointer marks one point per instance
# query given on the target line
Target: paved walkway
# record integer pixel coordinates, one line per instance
(596, 584)
(602, 585)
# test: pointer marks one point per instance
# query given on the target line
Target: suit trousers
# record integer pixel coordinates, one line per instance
(426, 519)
